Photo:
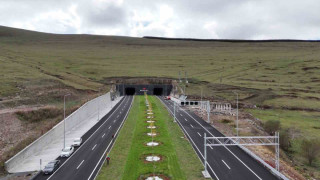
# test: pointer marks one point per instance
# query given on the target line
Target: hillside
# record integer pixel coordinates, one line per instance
(281, 76)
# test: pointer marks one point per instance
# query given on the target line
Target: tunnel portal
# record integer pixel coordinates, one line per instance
(139, 89)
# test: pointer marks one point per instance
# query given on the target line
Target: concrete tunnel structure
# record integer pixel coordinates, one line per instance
(139, 89)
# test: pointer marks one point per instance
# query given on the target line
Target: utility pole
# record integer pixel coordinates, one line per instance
(64, 120)
(237, 113)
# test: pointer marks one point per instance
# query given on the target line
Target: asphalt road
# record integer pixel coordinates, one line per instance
(225, 162)
(87, 159)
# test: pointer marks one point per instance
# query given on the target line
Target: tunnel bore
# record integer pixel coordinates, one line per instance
(129, 91)
(158, 91)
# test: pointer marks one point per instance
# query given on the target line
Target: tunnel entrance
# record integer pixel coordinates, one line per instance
(140, 89)
(158, 91)
(130, 91)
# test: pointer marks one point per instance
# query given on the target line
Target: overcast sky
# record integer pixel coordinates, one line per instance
(227, 19)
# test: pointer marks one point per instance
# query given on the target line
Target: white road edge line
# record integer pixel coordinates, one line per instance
(102, 157)
(226, 164)
(223, 145)
(87, 139)
(194, 145)
(94, 147)
(80, 164)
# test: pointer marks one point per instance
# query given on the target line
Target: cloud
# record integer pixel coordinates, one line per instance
(240, 19)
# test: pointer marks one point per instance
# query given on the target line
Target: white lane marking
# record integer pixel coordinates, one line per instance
(86, 140)
(223, 145)
(180, 114)
(103, 135)
(80, 164)
(109, 127)
(191, 125)
(210, 147)
(226, 164)
(185, 119)
(94, 147)
(194, 145)
(103, 155)
(117, 116)
(199, 134)
(114, 121)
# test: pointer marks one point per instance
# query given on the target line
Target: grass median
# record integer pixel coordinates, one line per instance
(179, 160)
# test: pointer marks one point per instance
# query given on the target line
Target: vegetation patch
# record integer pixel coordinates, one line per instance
(39, 115)
(178, 159)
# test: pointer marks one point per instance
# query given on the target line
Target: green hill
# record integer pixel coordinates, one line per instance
(282, 76)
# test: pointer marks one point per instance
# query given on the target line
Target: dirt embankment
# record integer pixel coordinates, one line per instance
(32, 112)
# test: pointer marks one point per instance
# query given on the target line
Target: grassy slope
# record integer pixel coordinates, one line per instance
(280, 74)
(179, 163)
(281, 66)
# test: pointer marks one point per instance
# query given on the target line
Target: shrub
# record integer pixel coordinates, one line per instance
(310, 149)
(226, 121)
(39, 115)
(285, 139)
(272, 126)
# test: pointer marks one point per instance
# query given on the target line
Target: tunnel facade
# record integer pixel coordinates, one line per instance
(139, 89)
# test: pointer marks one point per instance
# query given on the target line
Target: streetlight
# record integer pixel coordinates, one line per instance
(64, 120)
(174, 111)
(237, 112)
(99, 105)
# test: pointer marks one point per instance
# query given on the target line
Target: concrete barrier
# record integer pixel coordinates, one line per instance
(87, 111)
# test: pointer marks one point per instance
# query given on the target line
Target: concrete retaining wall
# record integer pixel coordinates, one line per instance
(86, 111)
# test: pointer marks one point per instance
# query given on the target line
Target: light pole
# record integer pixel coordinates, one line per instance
(99, 105)
(237, 113)
(205, 153)
(64, 120)
(174, 111)
(201, 94)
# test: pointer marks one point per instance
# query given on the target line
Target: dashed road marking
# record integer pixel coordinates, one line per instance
(199, 134)
(185, 119)
(94, 147)
(226, 164)
(80, 164)
(103, 135)
(191, 125)
(109, 127)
